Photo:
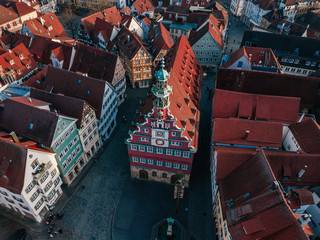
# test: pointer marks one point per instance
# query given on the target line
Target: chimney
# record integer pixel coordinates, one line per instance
(29, 99)
(246, 135)
(302, 171)
(42, 20)
(304, 219)
(14, 137)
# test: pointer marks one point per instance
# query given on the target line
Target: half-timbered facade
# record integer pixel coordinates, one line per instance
(164, 137)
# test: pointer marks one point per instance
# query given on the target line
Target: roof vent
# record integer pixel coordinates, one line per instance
(302, 171)
(246, 135)
(14, 137)
(29, 99)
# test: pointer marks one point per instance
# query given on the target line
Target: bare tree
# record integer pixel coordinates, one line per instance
(69, 22)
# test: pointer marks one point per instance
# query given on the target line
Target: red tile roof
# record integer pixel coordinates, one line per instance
(253, 206)
(95, 62)
(305, 196)
(12, 40)
(186, 80)
(67, 82)
(143, 6)
(128, 42)
(22, 8)
(307, 133)
(37, 124)
(147, 21)
(162, 40)
(7, 15)
(195, 3)
(47, 25)
(256, 57)
(23, 62)
(12, 166)
(285, 165)
(234, 131)
(276, 84)
(42, 47)
(253, 106)
(37, 80)
(126, 11)
(110, 15)
(104, 28)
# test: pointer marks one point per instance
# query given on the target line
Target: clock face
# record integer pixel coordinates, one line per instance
(159, 142)
(159, 134)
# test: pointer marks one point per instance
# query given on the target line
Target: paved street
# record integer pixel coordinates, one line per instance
(143, 204)
(234, 34)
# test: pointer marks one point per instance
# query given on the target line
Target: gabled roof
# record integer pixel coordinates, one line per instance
(266, 4)
(47, 25)
(216, 35)
(95, 62)
(12, 166)
(143, 6)
(186, 80)
(162, 40)
(201, 3)
(104, 28)
(228, 104)
(22, 9)
(304, 196)
(276, 84)
(253, 206)
(12, 40)
(177, 9)
(147, 21)
(126, 11)
(307, 133)
(128, 42)
(256, 57)
(7, 15)
(42, 47)
(36, 124)
(23, 63)
(247, 132)
(110, 15)
(37, 80)
(75, 85)
(285, 165)
(69, 106)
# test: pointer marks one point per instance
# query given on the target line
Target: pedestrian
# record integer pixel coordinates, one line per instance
(60, 230)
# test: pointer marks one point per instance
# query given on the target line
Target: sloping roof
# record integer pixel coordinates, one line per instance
(110, 15)
(95, 62)
(282, 43)
(75, 85)
(12, 40)
(104, 28)
(143, 6)
(162, 40)
(37, 80)
(126, 11)
(7, 15)
(307, 133)
(36, 124)
(177, 9)
(204, 30)
(73, 107)
(276, 84)
(128, 42)
(305, 196)
(47, 25)
(266, 4)
(12, 166)
(253, 106)
(201, 3)
(147, 21)
(186, 80)
(234, 131)
(255, 56)
(253, 206)
(22, 8)
(42, 47)
(285, 165)
(23, 62)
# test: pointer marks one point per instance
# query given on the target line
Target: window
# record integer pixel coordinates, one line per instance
(135, 159)
(28, 188)
(17, 199)
(35, 164)
(159, 163)
(186, 154)
(308, 63)
(44, 177)
(84, 135)
(56, 182)
(133, 147)
(164, 175)
(184, 167)
(159, 150)
(24, 207)
(150, 161)
(34, 196)
(141, 148)
(142, 160)
(240, 64)
(48, 186)
(66, 150)
(168, 164)
(149, 149)
(176, 143)
(39, 203)
(175, 134)
(4, 193)
(169, 151)
(53, 173)
(176, 165)
(9, 200)
(154, 173)
(145, 130)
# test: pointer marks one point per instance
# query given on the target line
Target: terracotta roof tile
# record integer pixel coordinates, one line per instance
(304, 196)
(307, 133)
(7, 15)
(253, 106)
(143, 6)
(269, 84)
(162, 40)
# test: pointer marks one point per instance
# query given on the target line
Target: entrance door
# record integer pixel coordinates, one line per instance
(143, 174)
(174, 178)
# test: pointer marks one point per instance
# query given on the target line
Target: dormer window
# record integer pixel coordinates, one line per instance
(50, 28)
(11, 62)
(40, 31)
(21, 56)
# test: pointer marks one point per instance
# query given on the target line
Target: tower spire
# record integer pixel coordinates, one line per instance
(161, 90)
